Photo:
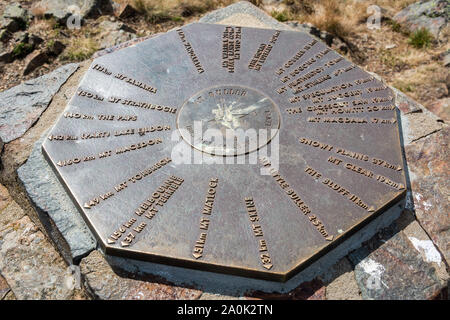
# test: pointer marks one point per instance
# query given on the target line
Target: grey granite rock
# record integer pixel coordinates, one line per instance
(14, 11)
(114, 33)
(9, 25)
(397, 265)
(432, 15)
(21, 106)
(416, 121)
(4, 288)
(331, 40)
(105, 284)
(30, 265)
(61, 10)
(428, 161)
(240, 10)
(55, 208)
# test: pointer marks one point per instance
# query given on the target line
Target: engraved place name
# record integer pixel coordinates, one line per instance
(300, 84)
(95, 135)
(314, 220)
(297, 88)
(346, 120)
(296, 57)
(263, 52)
(231, 47)
(366, 173)
(112, 117)
(346, 94)
(350, 94)
(135, 83)
(108, 134)
(336, 88)
(190, 51)
(306, 65)
(204, 220)
(258, 233)
(108, 153)
(101, 117)
(142, 105)
(127, 79)
(376, 89)
(140, 145)
(149, 207)
(339, 108)
(339, 189)
(123, 185)
(349, 154)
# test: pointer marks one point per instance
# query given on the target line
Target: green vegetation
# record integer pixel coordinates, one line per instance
(50, 43)
(396, 27)
(280, 16)
(21, 50)
(420, 38)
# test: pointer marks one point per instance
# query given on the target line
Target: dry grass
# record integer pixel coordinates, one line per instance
(38, 10)
(158, 11)
(396, 5)
(341, 18)
(338, 17)
(80, 49)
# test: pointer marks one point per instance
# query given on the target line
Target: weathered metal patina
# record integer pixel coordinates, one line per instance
(320, 155)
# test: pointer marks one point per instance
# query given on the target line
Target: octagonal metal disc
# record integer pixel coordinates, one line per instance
(319, 158)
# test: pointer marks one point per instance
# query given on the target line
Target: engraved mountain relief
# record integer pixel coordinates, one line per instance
(143, 148)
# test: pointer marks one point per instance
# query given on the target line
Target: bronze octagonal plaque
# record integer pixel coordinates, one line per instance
(315, 154)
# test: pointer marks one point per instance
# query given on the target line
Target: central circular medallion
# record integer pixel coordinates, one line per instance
(228, 120)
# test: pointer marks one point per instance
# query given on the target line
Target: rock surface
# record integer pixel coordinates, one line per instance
(309, 290)
(14, 17)
(4, 288)
(413, 267)
(331, 40)
(243, 13)
(104, 284)
(54, 206)
(432, 15)
(123, 10)
(22, 105)
(114, 33)
(441, 108)
(35, 60)
(340, 282)
(428, 161)
(390, 266)
(122, 45)
(61, 10)
(446, 59)
(28, 262)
